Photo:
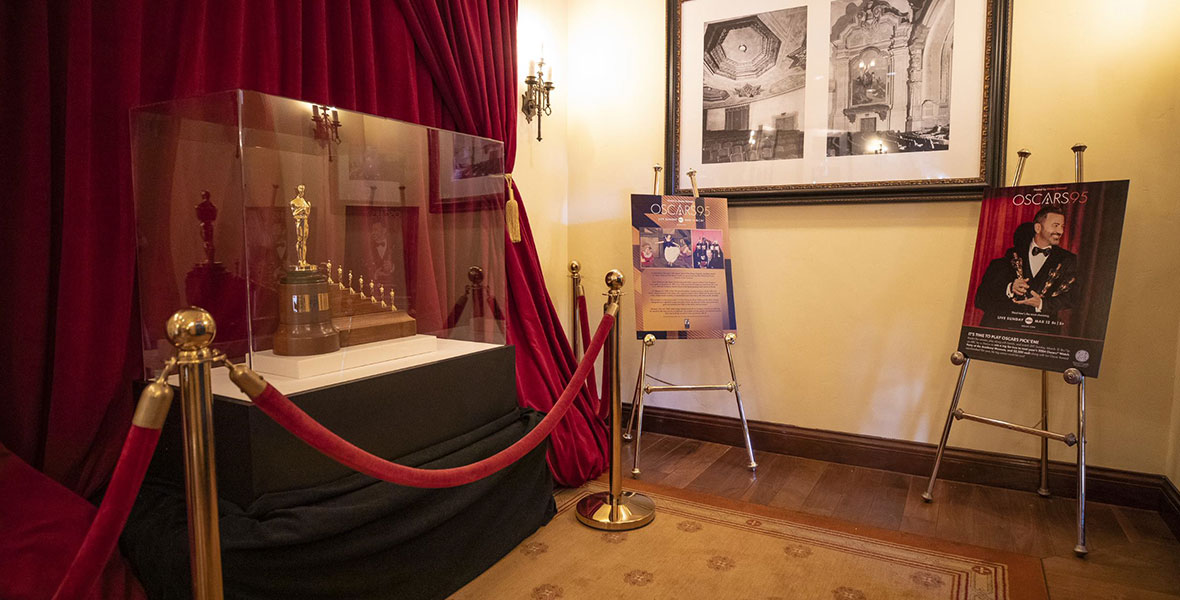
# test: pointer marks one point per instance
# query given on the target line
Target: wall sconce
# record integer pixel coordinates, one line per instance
(327, 129)
(534, 102)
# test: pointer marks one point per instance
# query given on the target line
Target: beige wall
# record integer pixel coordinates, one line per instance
(542, 171)
(1173, 471)
(847, 314)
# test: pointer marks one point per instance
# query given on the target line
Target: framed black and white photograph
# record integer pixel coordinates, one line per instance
(469, 169)
(812, 101)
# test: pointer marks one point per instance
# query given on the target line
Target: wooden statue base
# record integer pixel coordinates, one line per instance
(362, 329)
(360, 320)
(305, 315)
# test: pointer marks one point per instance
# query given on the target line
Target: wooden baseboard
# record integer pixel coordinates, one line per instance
(1170, 506)
(1112, 486)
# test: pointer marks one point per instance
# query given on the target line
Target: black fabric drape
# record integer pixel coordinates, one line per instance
(356, 537)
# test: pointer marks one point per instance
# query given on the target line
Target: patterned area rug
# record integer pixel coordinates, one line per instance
(705, 547)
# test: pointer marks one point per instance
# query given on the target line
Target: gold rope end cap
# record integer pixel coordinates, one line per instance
(154, 402)
(251, 383)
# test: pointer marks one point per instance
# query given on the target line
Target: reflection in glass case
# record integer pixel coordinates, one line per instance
(319, 239)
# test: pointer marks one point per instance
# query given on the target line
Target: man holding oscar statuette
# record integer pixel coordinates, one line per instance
(379, 260)
(1034, 280)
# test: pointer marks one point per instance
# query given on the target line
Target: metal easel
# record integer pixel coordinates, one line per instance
(642, 389)
(1072, 377)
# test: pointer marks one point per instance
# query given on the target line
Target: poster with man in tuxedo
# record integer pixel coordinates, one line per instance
(1033, 281)
(1043, 275)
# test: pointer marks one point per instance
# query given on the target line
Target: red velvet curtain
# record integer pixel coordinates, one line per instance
(73, 71)
(70, 352)
(470, 50)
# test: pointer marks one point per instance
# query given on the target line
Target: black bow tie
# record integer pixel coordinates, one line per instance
(1045, 251)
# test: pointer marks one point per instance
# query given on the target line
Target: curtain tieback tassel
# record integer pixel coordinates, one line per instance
(512, 212)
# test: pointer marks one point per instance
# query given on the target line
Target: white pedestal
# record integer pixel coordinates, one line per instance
(223, 387)
(351, 357)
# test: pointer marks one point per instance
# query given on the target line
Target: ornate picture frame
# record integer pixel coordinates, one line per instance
(837, 101)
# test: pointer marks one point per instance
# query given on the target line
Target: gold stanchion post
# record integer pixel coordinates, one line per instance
(576, 276)
(476, 292)
(191, 330)
(615, 510)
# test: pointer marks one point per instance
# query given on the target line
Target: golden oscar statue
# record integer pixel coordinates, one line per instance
(305, 311)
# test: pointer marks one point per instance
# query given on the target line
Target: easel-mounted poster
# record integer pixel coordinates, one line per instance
(1043, 275)
(683, 277)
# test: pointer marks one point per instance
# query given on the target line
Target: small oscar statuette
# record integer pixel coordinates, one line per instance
(1051, 280)
(305, 314)
(1018, 266)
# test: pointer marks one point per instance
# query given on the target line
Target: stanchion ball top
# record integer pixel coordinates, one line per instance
(649, 340)
(190, 328)
(475, 275)
(615, 279)
(731, 338)
(1073, 376)
(958, 359)
(575, 266)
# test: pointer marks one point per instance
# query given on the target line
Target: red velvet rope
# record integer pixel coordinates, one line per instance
(584, 324)
(292, 418)
(104, 531)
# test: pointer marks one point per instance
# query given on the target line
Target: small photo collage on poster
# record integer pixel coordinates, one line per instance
(680, 249)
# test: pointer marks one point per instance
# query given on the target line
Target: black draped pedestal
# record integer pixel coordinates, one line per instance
(296, 525)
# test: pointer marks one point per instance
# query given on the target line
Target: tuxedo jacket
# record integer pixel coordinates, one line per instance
(700, 259)
(992, 294)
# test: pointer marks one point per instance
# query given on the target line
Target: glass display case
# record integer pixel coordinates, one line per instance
(321, 240)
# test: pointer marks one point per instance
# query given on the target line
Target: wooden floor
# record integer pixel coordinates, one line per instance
(1133, 554)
